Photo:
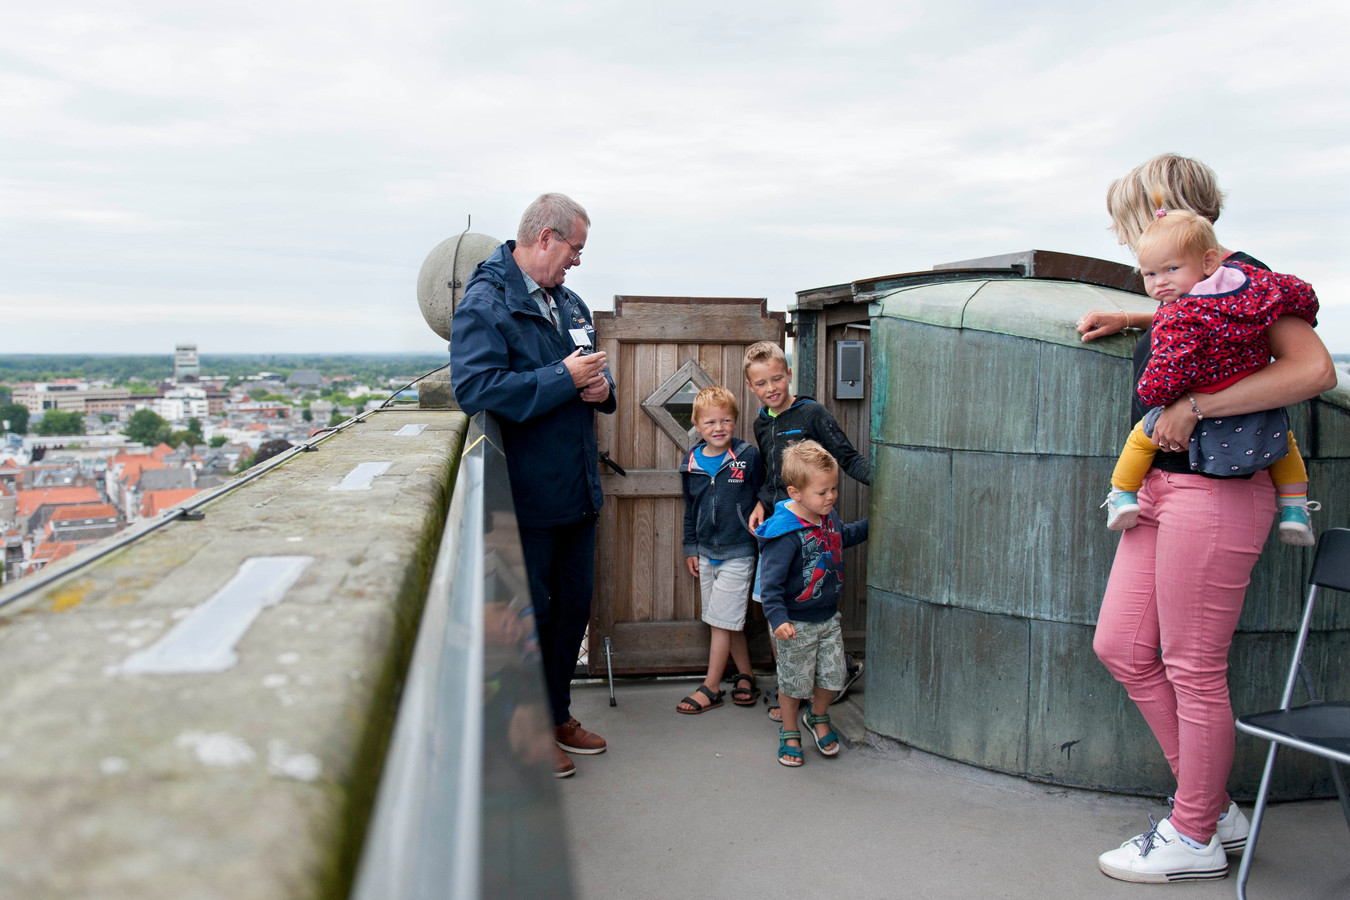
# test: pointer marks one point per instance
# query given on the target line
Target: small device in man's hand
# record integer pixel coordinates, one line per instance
(582, 339)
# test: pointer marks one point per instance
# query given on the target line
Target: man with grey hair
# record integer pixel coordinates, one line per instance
(522, 348)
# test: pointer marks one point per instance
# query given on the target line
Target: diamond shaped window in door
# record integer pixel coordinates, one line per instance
(671, 405)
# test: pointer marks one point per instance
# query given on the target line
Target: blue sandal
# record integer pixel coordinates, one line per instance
(810, 721)
(786, 752)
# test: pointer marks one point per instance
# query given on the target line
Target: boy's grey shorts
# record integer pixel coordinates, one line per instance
(815, 657)
(725, 589)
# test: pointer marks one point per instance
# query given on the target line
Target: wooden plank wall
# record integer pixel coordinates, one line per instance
(640, 570)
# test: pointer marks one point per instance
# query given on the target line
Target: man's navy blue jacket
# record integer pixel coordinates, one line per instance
(716, 508)
(506, 358)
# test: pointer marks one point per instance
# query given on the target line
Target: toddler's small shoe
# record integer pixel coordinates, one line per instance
(1122, 509)
(1159, 856)
(1296, 524)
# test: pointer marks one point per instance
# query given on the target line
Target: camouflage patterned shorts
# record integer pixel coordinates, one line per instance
(814, 657)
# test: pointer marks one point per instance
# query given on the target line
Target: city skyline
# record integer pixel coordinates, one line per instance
(257, 181)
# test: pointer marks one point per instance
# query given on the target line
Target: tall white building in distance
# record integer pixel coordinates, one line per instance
(185, 364)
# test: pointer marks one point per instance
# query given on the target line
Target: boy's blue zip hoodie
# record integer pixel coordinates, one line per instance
(804, 420)
(506, 357)
(716, 508)
(801, 565)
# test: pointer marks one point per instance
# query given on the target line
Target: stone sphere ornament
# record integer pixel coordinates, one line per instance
(445, 274)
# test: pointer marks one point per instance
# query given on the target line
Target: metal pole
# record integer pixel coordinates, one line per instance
(609, 667)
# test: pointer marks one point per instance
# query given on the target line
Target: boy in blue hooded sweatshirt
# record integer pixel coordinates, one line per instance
(721, 479)
(801, 578)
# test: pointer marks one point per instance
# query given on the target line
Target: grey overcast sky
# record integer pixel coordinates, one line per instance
(268, 175)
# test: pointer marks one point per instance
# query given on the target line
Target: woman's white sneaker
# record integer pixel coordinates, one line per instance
(1233, 829)
(1159, 856)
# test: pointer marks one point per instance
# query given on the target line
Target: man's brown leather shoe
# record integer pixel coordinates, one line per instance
(575, 739)
(563, 765)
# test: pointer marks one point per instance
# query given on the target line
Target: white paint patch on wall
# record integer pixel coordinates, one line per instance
(219, 749)
(204, 640)
(360, 478)
(286, 763)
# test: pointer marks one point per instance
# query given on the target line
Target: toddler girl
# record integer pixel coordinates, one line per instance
(1209, 332)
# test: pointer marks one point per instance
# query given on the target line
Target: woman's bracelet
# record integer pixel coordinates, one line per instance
(1199, 416)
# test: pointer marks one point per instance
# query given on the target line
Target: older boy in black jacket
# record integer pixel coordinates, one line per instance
(783, 421)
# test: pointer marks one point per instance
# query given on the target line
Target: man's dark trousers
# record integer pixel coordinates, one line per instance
(560, 564)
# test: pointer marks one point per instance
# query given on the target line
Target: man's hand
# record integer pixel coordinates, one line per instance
(785, 632)
(756, 516)
(692, 563)
(584, 369)
(596, 391)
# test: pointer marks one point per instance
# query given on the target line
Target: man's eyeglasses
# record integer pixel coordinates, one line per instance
(576, 254)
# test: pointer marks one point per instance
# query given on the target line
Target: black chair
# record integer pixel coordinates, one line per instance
(1320, 727)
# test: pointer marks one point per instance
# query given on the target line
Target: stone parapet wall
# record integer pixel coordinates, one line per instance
(252, 781)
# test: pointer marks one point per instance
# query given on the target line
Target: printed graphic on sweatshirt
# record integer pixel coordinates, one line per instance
(822, 559)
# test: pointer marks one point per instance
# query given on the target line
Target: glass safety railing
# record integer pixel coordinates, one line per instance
(467, 806)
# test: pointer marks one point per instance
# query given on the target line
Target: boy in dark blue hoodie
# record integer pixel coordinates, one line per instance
(721, 476)
(800, 579)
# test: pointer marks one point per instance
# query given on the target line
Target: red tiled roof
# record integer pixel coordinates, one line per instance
(132, 468)
(84, 511)
(161, 450)
(51, 551)
(155, 502)
(28, 501)
(125, 457)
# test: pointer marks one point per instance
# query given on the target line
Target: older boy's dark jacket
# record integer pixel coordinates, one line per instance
(716, 507)
(801, 566)
(804, 420)
(506, 357)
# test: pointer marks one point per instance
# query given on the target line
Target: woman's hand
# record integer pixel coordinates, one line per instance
(1173, 429)
(1102, 322)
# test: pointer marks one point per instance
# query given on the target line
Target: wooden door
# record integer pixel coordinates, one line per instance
(661, 349)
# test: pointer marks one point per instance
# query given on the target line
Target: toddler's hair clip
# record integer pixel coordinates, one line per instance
(1159, 213)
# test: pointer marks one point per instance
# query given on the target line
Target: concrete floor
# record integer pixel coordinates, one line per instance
(697, 806)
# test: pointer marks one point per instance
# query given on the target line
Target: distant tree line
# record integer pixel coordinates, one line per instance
(365, 367)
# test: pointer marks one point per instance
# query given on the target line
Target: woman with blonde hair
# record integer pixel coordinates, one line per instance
(1180, 575)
